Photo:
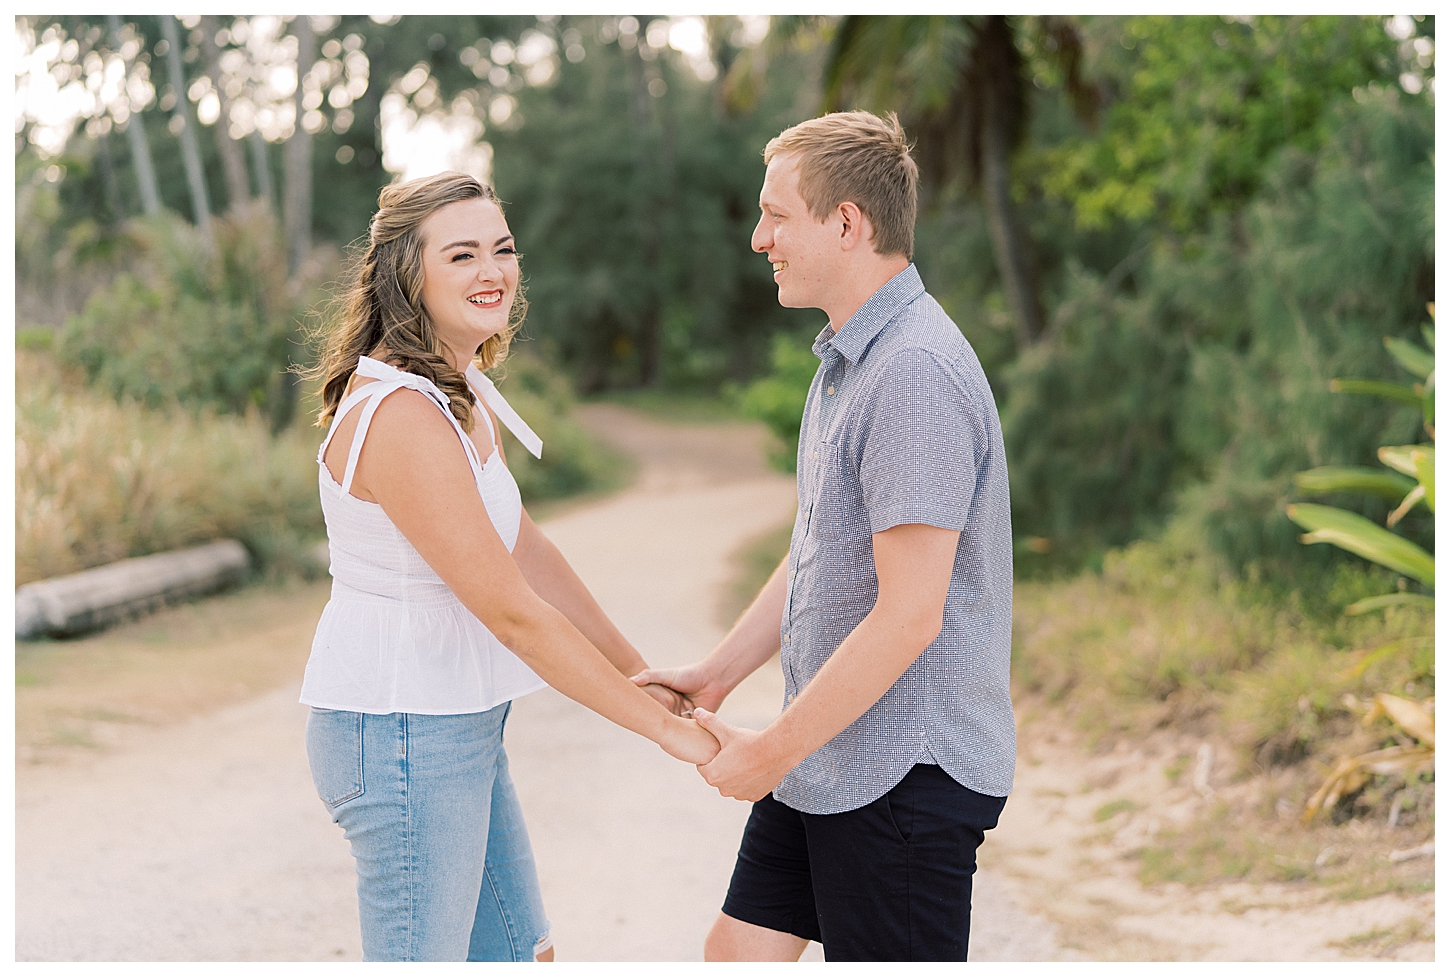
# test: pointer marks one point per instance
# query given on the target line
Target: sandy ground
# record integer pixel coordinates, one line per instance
(201, 838)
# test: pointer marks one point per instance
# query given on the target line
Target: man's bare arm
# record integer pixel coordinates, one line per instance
(750, 643)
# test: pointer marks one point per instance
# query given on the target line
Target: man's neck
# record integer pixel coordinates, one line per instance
(859, 284)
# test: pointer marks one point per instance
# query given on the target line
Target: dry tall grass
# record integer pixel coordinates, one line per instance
(1155, 640)
(97, 481)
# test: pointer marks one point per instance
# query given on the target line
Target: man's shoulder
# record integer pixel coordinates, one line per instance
(926, 335)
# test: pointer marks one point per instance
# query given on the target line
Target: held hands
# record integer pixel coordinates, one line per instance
(687, 740)
(676, 704)
(737, 762)
(691, 682)
(745, 767)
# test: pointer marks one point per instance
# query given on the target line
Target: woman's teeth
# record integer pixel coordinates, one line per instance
(486, 298)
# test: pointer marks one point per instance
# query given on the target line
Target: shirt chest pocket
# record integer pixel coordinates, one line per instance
(838, 510)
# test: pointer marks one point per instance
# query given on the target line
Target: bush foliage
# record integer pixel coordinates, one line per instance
(184, 324)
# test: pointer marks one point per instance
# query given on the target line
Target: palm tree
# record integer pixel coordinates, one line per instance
(136, 135)
(234, 160)
(297, 158)
(959, 85)
(195, 178)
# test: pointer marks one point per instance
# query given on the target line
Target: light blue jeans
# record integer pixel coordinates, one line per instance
(444, 867)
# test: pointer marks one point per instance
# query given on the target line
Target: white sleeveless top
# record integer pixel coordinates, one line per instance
(394, 638)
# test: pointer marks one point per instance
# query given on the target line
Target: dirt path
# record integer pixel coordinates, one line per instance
(197, 836)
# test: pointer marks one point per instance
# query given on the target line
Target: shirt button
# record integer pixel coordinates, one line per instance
(815, 455)
(831, 391)
(786, 639)
(790, 698)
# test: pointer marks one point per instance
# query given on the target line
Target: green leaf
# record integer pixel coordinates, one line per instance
(1348, 478)
(1376, 388)
(1361, 537)
(1428, 331)
(1399, 457)
(1424, 459)
(1411, 357)
(1390, 600)
(1416, 496)
(1428, 404)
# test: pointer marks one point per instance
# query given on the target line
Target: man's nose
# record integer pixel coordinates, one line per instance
(759, 240)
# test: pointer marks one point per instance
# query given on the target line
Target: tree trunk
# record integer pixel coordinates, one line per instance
(108, 178)
(234, 160)
(1015, 261)
(136, 136)
(297, 176)
(647, 215)
(262, 165)
(297, 202)
(195, 178)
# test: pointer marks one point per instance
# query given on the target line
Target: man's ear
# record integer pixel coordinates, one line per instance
(855, 228)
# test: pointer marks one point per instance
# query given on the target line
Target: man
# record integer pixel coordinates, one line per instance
(892, 611)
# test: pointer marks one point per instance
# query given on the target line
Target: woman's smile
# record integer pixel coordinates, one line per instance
(488, 299)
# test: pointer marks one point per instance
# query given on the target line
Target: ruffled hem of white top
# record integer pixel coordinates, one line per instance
(393, 638)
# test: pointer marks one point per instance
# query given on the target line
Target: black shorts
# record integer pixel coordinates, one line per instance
(888, 881)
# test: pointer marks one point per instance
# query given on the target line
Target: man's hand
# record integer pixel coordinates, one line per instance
(692, 682)
(677, 704)
(745, 768)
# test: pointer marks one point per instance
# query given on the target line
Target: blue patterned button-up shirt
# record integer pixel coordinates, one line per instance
(900, 427)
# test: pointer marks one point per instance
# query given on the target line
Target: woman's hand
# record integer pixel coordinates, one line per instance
(685, 739)
(678, 705)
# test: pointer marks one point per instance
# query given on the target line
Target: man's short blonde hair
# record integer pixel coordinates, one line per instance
(860, 157)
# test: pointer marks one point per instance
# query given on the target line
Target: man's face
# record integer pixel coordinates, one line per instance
(805, 252)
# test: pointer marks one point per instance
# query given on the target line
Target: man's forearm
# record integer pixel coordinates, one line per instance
(863, 669)
(913, 573)
(754, 638)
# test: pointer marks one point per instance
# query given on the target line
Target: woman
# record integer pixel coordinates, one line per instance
(447, 600)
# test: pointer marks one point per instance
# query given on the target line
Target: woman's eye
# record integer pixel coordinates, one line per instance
(462, 256)
(507, 251)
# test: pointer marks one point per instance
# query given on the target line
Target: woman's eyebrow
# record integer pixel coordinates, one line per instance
(459, 244)
(506, 237)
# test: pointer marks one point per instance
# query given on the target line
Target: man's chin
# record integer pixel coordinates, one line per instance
(789, 301)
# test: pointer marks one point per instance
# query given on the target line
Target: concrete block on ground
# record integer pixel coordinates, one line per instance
(80, 602)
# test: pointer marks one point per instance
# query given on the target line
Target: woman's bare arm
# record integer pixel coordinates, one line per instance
(413, 464)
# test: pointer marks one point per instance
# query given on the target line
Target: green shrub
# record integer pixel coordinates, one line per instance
(779, 398)
(186, 324)
(1195, 389)
(572, 462)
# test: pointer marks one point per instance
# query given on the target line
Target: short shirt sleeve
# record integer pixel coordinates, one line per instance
(924, 444)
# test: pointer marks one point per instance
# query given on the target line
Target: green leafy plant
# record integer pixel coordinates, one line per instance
(779, 398)
(184, 323)
(1410, 480)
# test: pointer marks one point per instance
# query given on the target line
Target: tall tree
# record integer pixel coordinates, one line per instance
(234, 161)
(297, 176)
(263, 168)
(191, 157)
(136, 136)
(958, 84)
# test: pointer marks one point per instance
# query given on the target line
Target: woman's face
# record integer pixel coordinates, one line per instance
(470, 274)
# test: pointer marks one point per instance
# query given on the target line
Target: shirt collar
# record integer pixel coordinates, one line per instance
(857, 332)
